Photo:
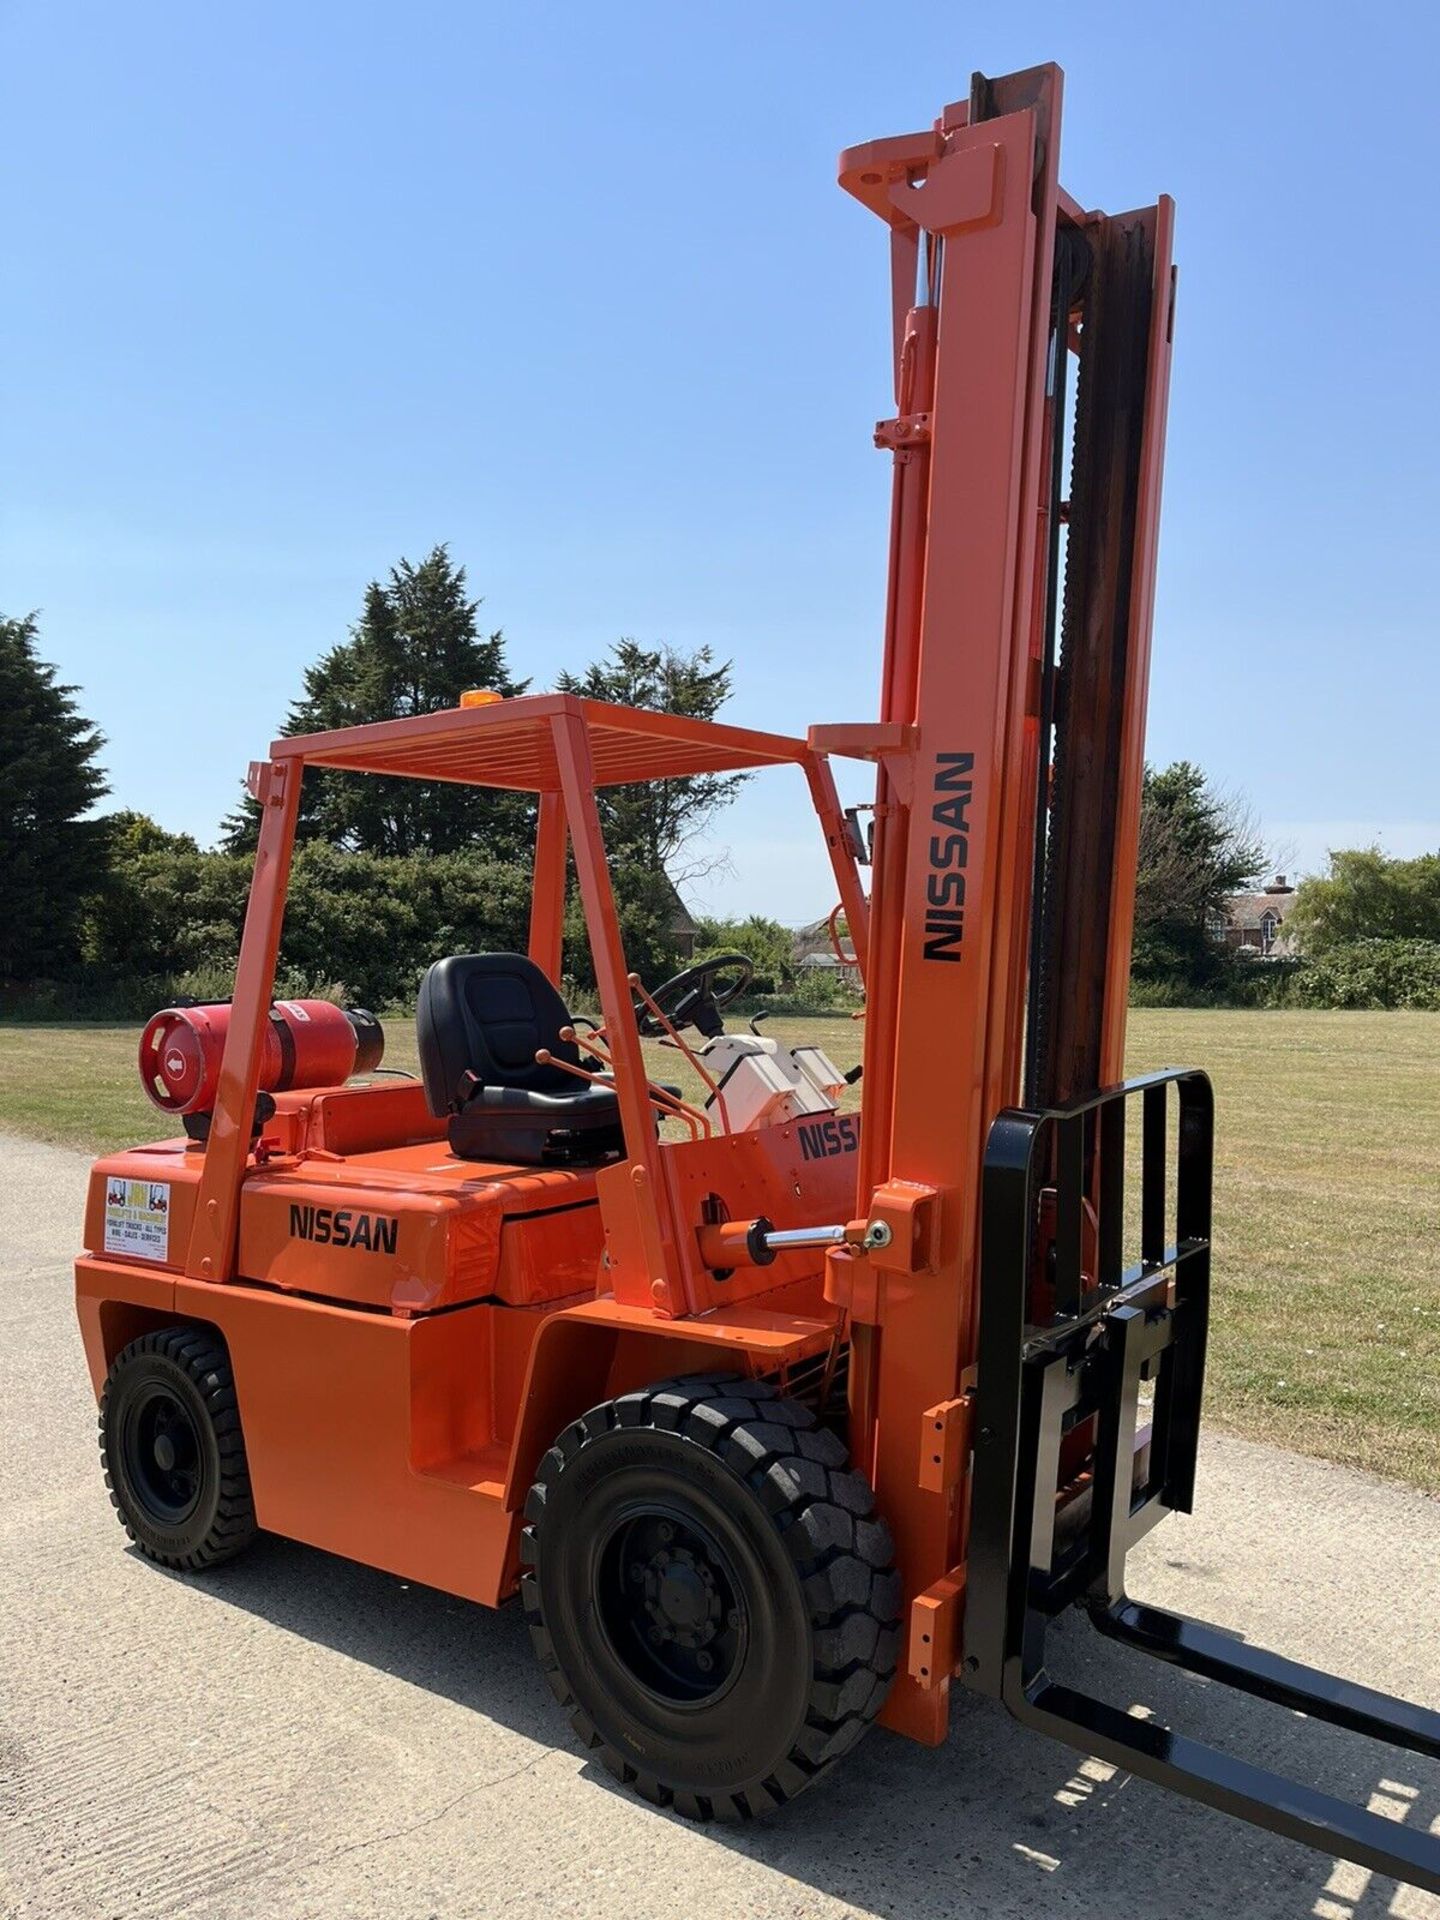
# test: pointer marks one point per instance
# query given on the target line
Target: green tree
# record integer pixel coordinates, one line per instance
(374, 923)
(165, 909)
(415, 649)
(48, 783)
(1196, 848)
(1364, 895)
(358, 924)
(129, 834)
(769, 944)
(1370, 973)
(657, 825)
(653, 829)
(645, 909)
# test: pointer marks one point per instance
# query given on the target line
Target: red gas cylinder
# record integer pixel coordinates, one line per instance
(308, 1043)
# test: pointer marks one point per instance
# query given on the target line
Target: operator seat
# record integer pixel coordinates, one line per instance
(480, 1020)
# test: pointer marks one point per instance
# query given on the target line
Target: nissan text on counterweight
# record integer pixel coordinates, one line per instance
(340, 1227)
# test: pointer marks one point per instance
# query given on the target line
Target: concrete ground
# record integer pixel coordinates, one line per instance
(297, 1736)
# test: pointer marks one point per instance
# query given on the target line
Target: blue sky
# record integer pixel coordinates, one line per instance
(297, 289)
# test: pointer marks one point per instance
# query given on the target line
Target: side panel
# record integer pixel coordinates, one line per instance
(408, 1444)
(375, 1238)
(370, 1245)
(328, 1399)
(368, 1436)
(590, 1353)
(114, 1305)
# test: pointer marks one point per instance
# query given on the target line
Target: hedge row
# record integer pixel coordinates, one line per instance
(171, 919)
(1360, 975)
(361, 927)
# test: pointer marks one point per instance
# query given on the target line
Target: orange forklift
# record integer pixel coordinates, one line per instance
(780, 1419)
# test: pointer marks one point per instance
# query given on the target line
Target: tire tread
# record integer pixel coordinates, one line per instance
(203, 1358)
(823, 1510)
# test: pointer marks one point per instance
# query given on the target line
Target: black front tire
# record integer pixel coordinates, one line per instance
(173, 1449)
(710, 1593)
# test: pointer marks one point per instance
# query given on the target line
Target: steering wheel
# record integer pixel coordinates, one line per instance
(692, 999)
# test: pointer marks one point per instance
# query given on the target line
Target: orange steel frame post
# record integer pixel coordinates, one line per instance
(275, 784)
(653, 1284)
(547, 907)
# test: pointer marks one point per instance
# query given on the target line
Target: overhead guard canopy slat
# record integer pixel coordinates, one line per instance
(510, 744)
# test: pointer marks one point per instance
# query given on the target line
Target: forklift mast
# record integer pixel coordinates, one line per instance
(1008, 795)
(1026, 1396)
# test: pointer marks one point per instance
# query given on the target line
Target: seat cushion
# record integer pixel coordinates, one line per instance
(535, 1129)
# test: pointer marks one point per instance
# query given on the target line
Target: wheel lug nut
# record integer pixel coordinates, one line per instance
(732, 1619)
(704, 1661)
(665, 1532)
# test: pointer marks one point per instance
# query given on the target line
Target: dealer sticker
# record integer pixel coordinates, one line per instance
(137, 1218)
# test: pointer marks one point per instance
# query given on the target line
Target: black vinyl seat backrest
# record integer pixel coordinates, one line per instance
(480, 1020)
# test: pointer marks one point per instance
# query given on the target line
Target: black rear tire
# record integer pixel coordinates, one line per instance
(710, 1593)
(173, 1449)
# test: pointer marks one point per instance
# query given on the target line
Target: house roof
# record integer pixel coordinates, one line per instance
(814, 938)
(681, 918)
(1249, 909)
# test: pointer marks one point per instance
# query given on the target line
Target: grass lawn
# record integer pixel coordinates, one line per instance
(1325, 1334)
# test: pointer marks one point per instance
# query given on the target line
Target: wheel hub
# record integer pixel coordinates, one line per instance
(670, 1607)
(681, 1597)
(162, 1452)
